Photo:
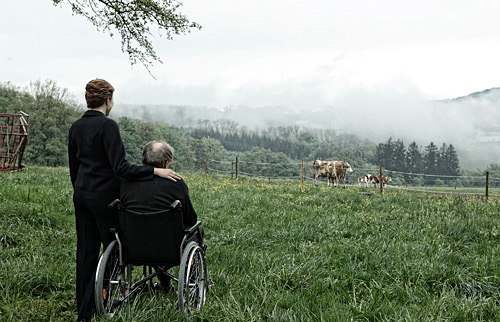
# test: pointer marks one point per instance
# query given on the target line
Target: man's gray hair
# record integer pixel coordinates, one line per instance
(156, 153)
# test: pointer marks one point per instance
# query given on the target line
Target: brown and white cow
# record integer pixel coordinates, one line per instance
(376, 180)
(365, 180)
(386, 180)
(320, 169)
(337, 171)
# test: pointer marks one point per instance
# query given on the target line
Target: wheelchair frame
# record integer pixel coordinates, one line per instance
(115, 286)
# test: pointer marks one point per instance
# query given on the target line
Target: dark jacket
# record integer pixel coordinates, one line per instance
(97, 155)
(156, 195)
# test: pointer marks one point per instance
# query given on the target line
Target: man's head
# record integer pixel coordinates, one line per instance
(157, 154)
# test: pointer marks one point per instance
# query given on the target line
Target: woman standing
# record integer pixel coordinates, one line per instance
(96, 162)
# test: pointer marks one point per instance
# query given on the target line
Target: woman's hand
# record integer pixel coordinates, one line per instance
(167, 173)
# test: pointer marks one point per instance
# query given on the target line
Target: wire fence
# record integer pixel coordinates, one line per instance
(467, 185)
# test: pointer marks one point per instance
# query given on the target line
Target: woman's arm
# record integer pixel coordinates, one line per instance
(115, 150)
(74, 163)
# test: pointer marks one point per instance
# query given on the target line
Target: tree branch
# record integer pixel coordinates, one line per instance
(133, 19)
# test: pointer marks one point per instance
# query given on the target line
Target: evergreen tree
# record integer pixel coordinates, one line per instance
(430, 161)
(453, 163)
(384, 154)
(431, 158)
(414, 159)
(389, 148)
(442, 160)
(378, 157)
(399, 153)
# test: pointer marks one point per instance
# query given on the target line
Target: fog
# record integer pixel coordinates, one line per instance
(471, 123)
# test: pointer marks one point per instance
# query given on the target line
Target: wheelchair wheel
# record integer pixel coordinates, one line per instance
(192, 278)
(109, 284)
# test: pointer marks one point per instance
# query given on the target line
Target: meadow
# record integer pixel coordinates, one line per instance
(277, 251)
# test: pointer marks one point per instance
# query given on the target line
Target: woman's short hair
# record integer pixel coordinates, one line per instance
(97, 92)
(156, 153)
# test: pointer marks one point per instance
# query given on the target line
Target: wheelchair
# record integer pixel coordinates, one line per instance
(151, 240)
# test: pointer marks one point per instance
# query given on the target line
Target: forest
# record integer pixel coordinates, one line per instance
(52, 111)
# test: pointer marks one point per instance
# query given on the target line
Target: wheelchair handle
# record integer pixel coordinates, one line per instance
(114, 203)
(175, 204)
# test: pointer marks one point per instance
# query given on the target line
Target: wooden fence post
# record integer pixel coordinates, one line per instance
(236, 167)
(206, 165)
(380, 180)
(487, 175)
(232, 169)
(302, 171)
(269, 175)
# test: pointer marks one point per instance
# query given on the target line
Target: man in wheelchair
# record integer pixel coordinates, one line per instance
(158, 194)
(158, 229)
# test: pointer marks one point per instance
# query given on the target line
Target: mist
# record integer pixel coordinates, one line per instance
(471, 123)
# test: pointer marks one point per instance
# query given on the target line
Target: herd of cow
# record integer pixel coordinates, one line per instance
(375, 180)
(335, 171)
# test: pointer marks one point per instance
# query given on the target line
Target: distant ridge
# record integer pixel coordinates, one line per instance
(492, 93)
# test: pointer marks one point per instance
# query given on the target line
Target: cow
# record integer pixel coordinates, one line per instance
(376, 180)
(364, 180)
(337, 171)
(320, 169)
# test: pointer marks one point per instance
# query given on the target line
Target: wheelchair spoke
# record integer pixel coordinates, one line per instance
(110, 287)
(114, 289)
(192, 287)
(194, 281)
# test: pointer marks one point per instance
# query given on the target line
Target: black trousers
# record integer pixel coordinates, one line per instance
(93, 222)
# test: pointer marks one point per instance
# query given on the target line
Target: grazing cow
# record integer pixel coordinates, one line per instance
(386, 180)
(320, 169)
(337, 171)
(364, 180)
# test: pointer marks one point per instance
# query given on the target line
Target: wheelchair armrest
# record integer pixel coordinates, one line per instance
(192, 229)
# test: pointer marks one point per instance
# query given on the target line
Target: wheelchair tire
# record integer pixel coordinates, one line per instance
(108, 283)
(193, 282)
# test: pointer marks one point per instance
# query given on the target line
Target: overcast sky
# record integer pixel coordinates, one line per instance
(269, 52)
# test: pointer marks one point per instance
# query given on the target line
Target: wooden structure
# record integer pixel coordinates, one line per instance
(13, 137)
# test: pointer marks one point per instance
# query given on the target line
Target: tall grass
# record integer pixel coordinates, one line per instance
(37, 246)
(276, 252)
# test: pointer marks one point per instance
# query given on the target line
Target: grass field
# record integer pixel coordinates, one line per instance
(278, 251)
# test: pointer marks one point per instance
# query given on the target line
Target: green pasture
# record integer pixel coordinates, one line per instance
(277, 251)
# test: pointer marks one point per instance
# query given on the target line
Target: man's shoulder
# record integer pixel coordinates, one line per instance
(126, 184)
(167, 182)
(157, 180)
